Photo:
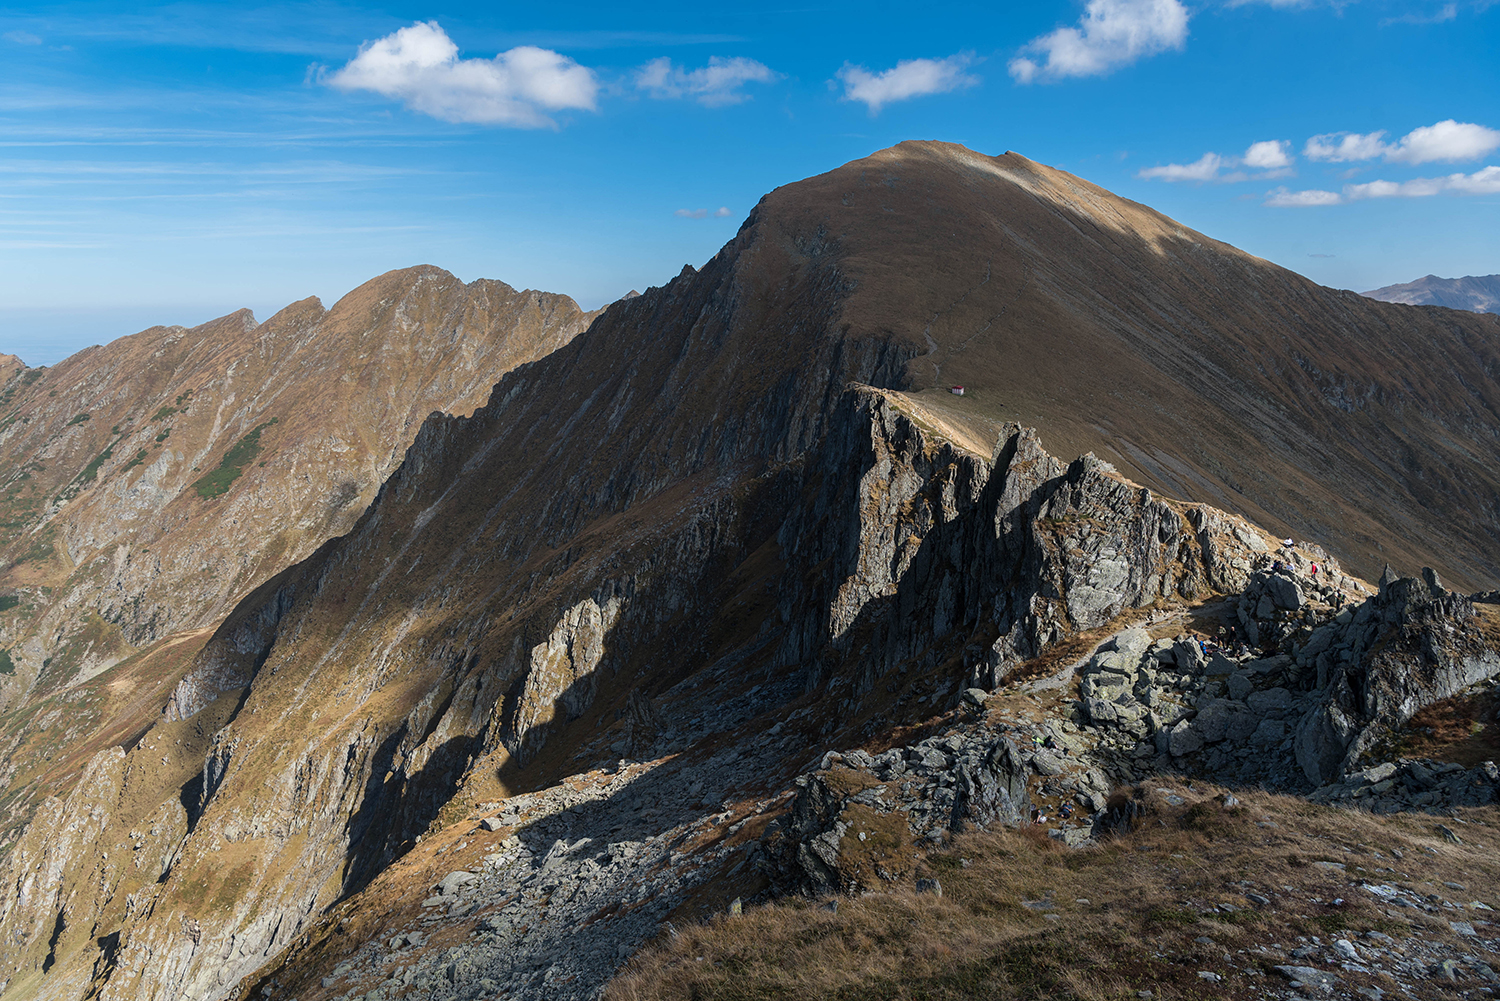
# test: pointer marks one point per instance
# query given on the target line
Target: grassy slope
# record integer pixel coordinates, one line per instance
(1103, 922)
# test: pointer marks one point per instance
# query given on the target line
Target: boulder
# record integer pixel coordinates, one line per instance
(1268, 733)
(1271, 700)
(1183, 739)
(1323, 739)
(1188, 656)
(1239, 686)
(1285, 593)
(1212, 722)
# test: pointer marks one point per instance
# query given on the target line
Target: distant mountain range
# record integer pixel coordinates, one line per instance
(1477, 293)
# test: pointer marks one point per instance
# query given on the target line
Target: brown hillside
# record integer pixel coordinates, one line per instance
(148, 485)
(1206, 373)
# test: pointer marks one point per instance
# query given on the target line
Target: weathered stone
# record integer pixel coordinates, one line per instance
(1268, 733)
(1285, 593)
(1271, 700)
(1212, 723)
(1323, 739)
(1101, 711)
(1183, 739)
(1309, 976)
(1239, 685)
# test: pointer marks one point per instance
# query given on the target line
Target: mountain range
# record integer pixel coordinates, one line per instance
(287, 684)
(1480, 294)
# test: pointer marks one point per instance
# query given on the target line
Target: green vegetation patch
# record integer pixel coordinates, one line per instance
(163, 436)
(77, 419)
(140, 458)
(7, 666)
(217, 482)
(9, 601)
(164, 413)
(92, 469)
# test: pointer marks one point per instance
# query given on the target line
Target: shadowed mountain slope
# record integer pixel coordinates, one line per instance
(741, 494)
(1478, 293)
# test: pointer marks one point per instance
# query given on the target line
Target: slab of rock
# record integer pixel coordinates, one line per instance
(1309, 976)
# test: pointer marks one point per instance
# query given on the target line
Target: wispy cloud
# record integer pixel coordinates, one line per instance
(719, 213)
(1446, 141)
(23, 38)
(1205, 168)
(419, 65)
(721, 82)
(1448, 12)
(907, 79)
(1284, 198)
(1111, 34)
(1481, 182)
(1272, 157)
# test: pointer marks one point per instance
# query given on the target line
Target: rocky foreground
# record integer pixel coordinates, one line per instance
(548, 894)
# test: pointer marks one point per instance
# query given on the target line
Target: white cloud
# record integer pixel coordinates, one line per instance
(1111, 33)
(1205, 168)
(23, 38)
(420, 66)
(1282, 198)
(722, 212)
(718, 83)
(719, 213)
(1344, 147)
(907, 79)
(1270, 156)
(1448, 141)
(1482, 182)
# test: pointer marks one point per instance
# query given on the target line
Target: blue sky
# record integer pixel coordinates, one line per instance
(169, 164)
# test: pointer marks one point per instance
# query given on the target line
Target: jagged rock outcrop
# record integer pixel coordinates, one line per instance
(1412, 644)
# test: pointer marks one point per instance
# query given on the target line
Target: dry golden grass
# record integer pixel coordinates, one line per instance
(1105, 921)
(1463, 729)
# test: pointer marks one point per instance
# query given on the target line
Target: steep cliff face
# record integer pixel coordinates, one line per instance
(724, 530)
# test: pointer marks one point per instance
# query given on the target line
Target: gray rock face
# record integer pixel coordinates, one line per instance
(1284, 593)
(923, 790)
